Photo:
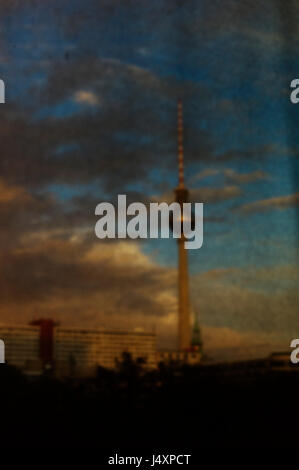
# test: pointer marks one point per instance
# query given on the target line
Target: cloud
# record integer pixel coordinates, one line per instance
(84, 283)
(244, 178)
(278, 202)
(215, 195)
(131, 134)
(232, 176)
(11, 193)
(206, 173)
(86, 97)
(107, 77)
(23, 213)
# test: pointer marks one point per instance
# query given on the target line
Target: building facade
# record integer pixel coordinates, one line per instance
(74, 351)
(22, 345)
(191, 357)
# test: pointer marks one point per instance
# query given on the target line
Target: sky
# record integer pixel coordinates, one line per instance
(90, 113)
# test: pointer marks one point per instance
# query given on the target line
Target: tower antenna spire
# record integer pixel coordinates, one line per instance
(180, 144)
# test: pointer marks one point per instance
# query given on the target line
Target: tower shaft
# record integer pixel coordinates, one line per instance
(184, 310)
(182, 193)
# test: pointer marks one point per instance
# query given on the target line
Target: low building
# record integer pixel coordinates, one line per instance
(190, 357)
(22, 345)
(44, 345)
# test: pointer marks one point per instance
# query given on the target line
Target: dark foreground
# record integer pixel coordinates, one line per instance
(173, 409)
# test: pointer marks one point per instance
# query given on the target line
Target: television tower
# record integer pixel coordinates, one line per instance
(181, 196)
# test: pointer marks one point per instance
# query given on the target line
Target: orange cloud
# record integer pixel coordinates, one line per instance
(279, 202)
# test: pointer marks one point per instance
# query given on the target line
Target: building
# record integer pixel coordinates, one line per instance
(22, 344)
(190, 345)
(189, 349)
(191, 357)
(44, 345)
(181, 196)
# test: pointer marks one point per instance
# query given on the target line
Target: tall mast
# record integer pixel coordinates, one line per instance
(180, 144)
(181, 193)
